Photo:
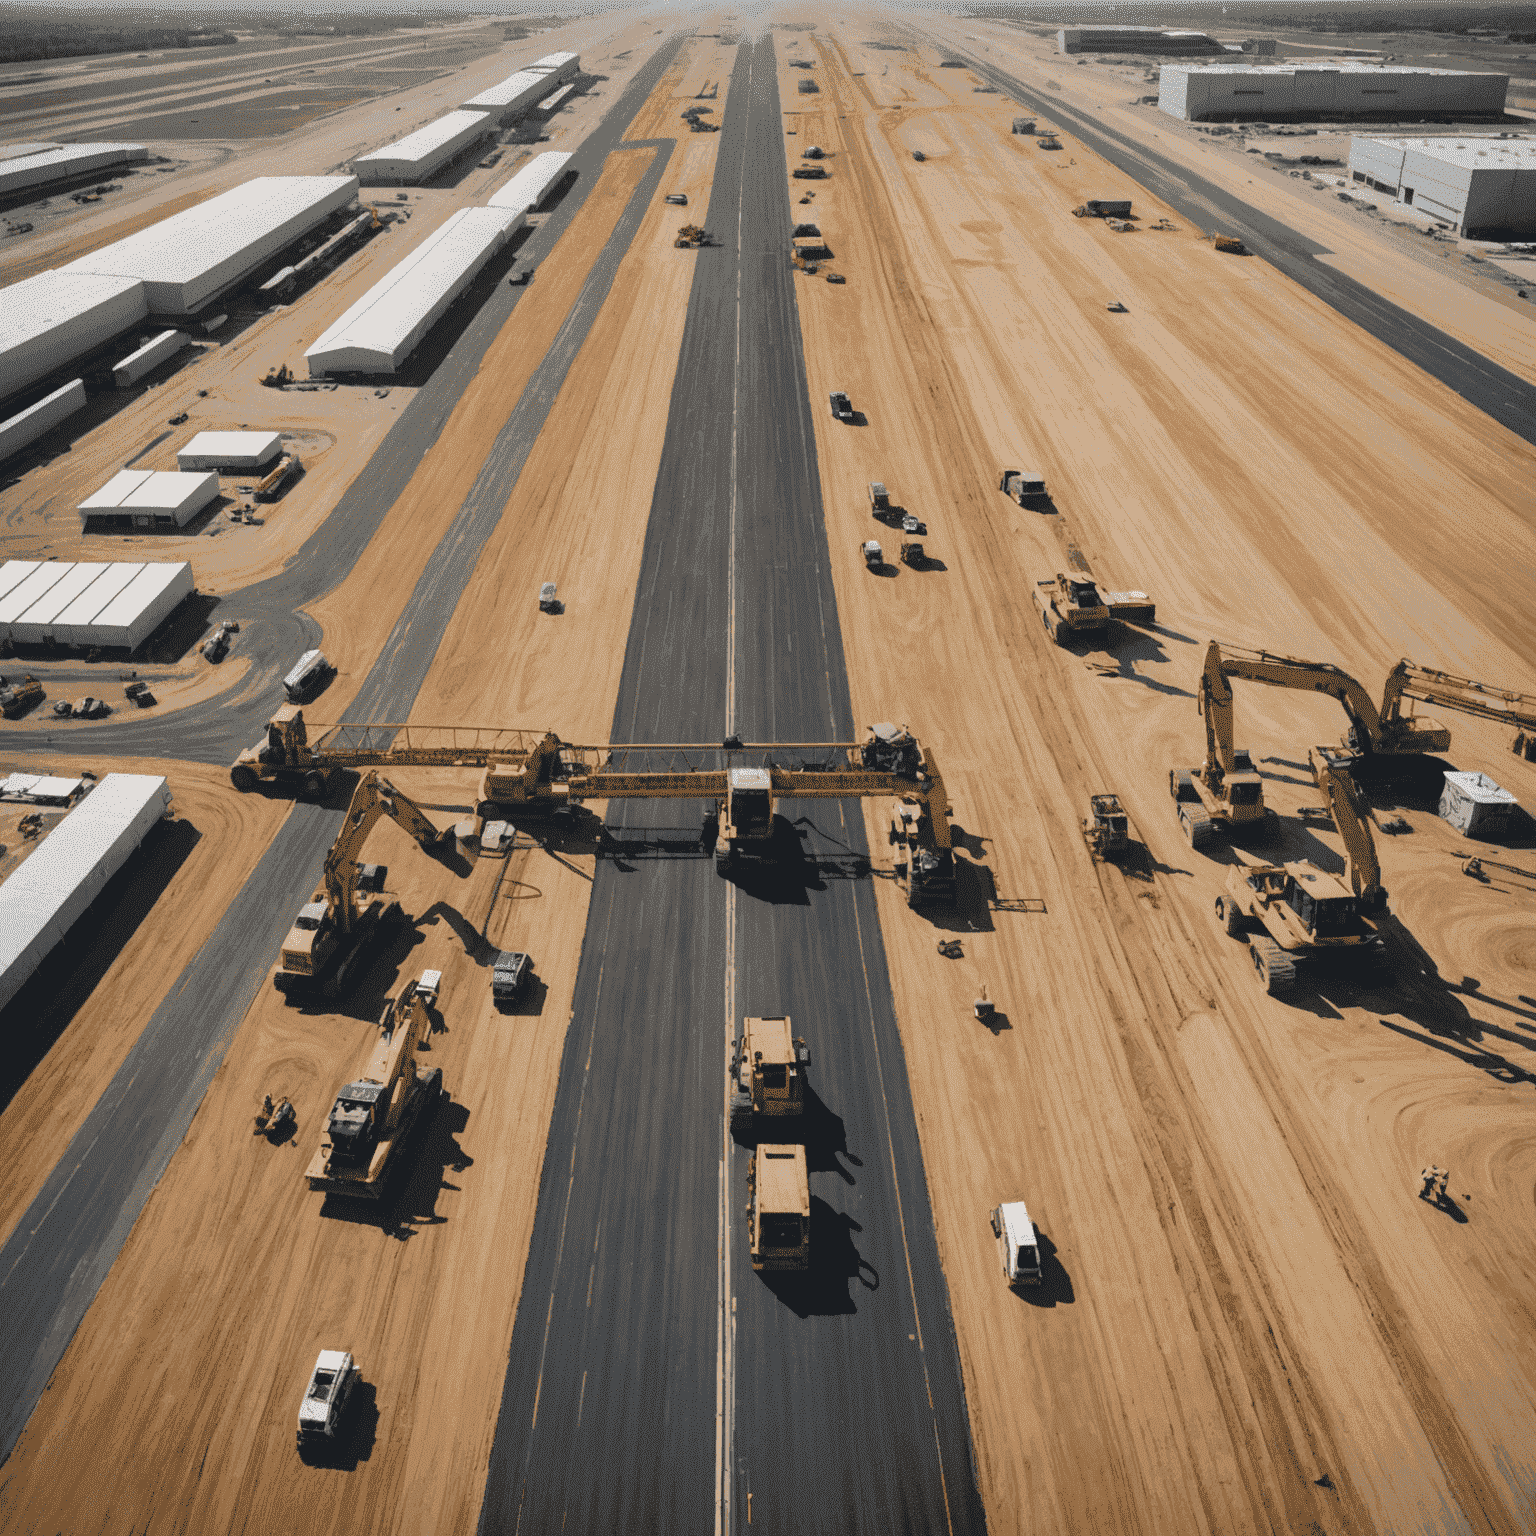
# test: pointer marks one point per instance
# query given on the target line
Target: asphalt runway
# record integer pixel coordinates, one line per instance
(1504, 396)
(273, 630)
(55, 1260)
(831, 1402)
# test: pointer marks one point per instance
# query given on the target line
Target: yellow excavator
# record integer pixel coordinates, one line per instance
(373, 1116)
(335, 930)
(1296, 914)
(1385, 729)
(1224, 791)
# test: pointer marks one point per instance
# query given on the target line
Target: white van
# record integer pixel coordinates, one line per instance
(1015, 1234)
(308, 673)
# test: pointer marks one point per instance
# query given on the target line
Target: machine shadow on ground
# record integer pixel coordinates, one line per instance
(358, 1434)
(825, 1289)
(1055, 1288)
(824, 1136)
(47, 1005)
(421, 1170)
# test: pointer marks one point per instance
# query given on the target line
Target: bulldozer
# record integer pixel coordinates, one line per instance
(18, 697)
(373, 1117)
(335, 930)
(1230, 244)
(691, 236)
(767, 1073)
(1070, 603)
(1296, 914)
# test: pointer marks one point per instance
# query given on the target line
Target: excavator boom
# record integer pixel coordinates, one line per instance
(374, 798)
(1429, 686)
(1352, 816)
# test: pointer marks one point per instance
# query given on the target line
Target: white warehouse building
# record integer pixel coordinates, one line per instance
(512, 97)
(386, 325)
(49, 320)
(1478, 184)
(1325, 89)
(118, 604)
(418, 155)
(59, 162)
(193, 256)
(1135, 40)
(526, 190)
(556, 67)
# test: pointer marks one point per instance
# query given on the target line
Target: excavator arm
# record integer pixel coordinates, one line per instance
(374, 798)
(1305, 676)
(1352, 816)
(1216, 707)
(1429, 686)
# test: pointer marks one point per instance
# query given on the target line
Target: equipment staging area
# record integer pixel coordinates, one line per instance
(398, 1066)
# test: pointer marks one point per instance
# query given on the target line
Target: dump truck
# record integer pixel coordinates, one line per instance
(1016, 1243)
(18, 697)
(874, 556)
(813, 152)
(1048, 141)
(335, 929)
(1107, 829)
(779, 1207)
(1070, 603)
(373, 1116)
(1230, 244)
(879, 499)
(809, 173)
(1103, 208)
(912, 552)
(510, 976)
(1022, 484)
(842, 406)
(324, 1404)
(767, 1074)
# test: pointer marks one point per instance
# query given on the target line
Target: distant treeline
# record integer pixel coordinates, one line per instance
(20, 43)
(1495, 22)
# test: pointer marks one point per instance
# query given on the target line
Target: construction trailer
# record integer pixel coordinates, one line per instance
(533, 773)
(374, 1115)
(1476, 806)
(778, 1207)
(1103, 208)
(41, 417)
(157, 350)
(767, 1073)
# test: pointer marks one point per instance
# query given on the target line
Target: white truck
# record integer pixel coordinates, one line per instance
(1017, 1243)
(325, 1398)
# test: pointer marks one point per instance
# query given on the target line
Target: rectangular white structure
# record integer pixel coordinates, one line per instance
(73, 625)
(1326, 88)
(14, 572)
(138, 610)
(16, 151)
(1475, 805)
(230, 450)
(552, 103)
(530, 186)
(558, 66)
(419, 154)
(62, 162)
(32, 588)
(154, 352)
(191, 257)
(36, 624)
(384, 327)
(29, 425)
(66, 872)
(512, 97)
(142, 498)
(1134, 40)
(49, 320)
(1479, 184)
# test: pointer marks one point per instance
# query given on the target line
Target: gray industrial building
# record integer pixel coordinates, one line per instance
(1482, 185)
(1136, 40)
(1326, 90)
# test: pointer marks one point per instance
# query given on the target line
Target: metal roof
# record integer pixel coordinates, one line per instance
(429, 141)
(1325, 67)
(528, 188)
(1482, 153)
(526, 85)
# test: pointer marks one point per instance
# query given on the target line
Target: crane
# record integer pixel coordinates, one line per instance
(334, 929)
(536, 772)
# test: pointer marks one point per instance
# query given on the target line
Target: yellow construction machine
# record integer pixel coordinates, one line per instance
(335, 930)
(373, 1116)
(1386, 730)
(1297, 914)
(535, 773)
(1224, 791)
(1071, 603)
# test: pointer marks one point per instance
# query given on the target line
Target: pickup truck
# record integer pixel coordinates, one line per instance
(842, 406)
(510, 976)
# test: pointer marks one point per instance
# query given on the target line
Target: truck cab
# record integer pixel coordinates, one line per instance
(326, 1396)
(308, 673)
(310, 939)
(842, 406)
(510, 975)
(353, 1126)
(1021, 484)
(1017, 1243)
(779, 1208)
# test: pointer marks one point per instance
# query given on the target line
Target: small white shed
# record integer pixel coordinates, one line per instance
(1475, 805)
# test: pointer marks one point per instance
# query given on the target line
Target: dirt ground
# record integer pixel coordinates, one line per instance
(431, 1322)
(1243, 1296)
(232, 832)
(1398, 264)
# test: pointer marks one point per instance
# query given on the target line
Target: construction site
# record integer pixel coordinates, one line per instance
(726, 805)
